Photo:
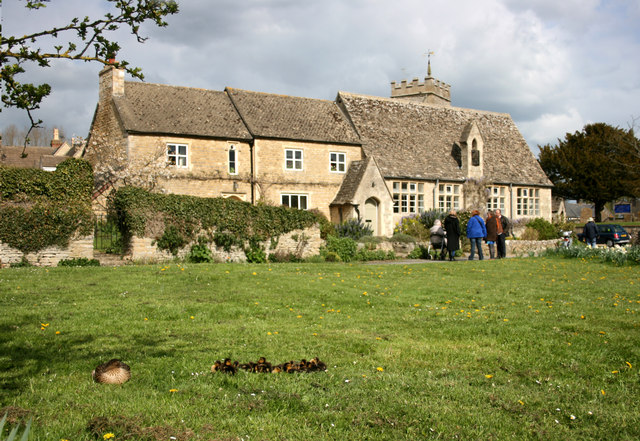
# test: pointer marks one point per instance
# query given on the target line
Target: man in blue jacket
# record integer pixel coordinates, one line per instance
(476, 231)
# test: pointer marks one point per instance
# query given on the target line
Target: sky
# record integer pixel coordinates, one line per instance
(553, 65)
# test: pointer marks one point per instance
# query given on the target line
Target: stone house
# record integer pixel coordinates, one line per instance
(377, 159)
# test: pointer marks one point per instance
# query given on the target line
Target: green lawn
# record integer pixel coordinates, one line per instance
(537, 348)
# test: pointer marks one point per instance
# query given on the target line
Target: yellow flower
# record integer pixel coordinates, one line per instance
(488, 376)
(57, 332)
(108, 435)
(254, 273)
(614, 372)
(602, 391)
(173, 390)
(521, 402)
(192, 317)
(379, 369)
(299, 316)
(268, 333)
(628, 364)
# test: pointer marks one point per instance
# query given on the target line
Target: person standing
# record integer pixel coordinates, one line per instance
(590, 233)
(502, 225)
(476, 231)
(492, 233)
(452, 227)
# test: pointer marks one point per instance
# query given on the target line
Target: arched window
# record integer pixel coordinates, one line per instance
(475, 154)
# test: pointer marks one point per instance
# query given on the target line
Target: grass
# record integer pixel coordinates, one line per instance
(538, 348)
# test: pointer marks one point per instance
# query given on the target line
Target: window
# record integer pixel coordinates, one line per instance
(293, 159)
(233, 163)
(475, 154)
(496, 198)
(528, 202)
(338, 162)
(177, 155)
(408, 197)
(448, 197)
(293, 200)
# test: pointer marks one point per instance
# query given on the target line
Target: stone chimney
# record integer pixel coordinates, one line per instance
(431, 91)
(55, 142)
(111, 83)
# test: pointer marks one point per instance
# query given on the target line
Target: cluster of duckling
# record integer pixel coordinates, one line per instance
(263, 366)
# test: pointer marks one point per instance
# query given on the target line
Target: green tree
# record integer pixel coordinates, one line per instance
(596, 164)
(87, 39)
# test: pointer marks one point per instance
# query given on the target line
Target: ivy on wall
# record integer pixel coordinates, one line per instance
(39, 209)
(174, 220)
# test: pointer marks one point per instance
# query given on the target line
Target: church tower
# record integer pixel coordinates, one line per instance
(431, 91)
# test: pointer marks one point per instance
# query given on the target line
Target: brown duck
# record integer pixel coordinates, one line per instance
(112, 372)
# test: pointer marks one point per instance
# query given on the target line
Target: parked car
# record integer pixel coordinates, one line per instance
(610, 234)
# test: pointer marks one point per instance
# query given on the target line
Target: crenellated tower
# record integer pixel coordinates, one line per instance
(431, 91)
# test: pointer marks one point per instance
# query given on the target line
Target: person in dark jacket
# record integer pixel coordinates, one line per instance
(452, 227)
(590, 233)
(476, 231)
(492, 233)
(502, 232)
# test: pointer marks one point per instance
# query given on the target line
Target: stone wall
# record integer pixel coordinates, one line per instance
(525, 247)
(301, 243)
(50, 256)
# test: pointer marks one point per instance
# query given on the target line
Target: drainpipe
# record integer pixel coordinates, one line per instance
(435, 192)
(355, 206)
(252, 171)
(511, 202)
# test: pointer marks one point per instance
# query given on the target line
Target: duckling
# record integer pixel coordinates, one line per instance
(277, 369)
(216, 366)
(229, 367)
(263, 365)
(317, 365)
(248, 366)
(113, 371)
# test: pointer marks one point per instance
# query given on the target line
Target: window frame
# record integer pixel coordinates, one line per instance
(497, 197)
(299, 197)
(408, 197)
(449, 197)
(340, 162)
(177, 155)
(528, 201)
(294, 161)
(232, 165)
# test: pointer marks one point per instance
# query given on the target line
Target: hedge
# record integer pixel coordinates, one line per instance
(39, 209)
(182, 218)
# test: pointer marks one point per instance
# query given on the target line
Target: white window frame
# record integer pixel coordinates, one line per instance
(497, 197)
(232, 164)
(528, 201)
(448, 197)
(176, 158)
(287, 199)
(337, 162)
(408, 197)
(294, 163)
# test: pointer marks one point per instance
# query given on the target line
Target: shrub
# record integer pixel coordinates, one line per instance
(332, 257)
(24, 263)
(402, 238)
(419, 252)
(79, 261)
(353, 228)
(225, 240)
(200, 252)
(171, 240)
(366, 255)
(345, 247)
(529, 234)
(546, 230)
(255, 253)
(428, 218)
(412, 226)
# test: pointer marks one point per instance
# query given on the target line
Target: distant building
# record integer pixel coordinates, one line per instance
(44, 158)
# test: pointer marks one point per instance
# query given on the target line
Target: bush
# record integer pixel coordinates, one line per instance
(200, 252)
(24, 263)
(345, 247)
(546, 230)
(79, 261)
(530, 234)
(419, 252)
(428, 218)
(402, 238)
(171, 240)
(332, 257)
(412, 226)
(366, 255)
(255, 253)
(353, 228)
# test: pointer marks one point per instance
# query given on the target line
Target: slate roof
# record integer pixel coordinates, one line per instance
(12, 156)
(351, 182)
(174, 110)
(418, 141)
(287, 117)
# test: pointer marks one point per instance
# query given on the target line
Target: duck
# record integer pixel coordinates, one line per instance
(316, 365)
(229, 367)
(216, 366)
(263, 366)
(113, 371)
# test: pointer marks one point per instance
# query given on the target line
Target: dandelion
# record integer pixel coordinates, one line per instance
(379, 369)
(488, 376)
(614, 372)
(629, 364)
(521, 402)
(602, 391)
(192, 317)
(268, 333)
(254, 273)
(299, 316)
(57, 332)
(108, 436)
(173, 390)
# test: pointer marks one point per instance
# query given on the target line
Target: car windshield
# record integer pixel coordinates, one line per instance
(618, 229)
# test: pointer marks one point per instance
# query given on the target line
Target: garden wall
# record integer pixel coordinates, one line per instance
(50, 256)
(300, 243)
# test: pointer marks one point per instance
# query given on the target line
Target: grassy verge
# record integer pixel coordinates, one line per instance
(542, 348)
